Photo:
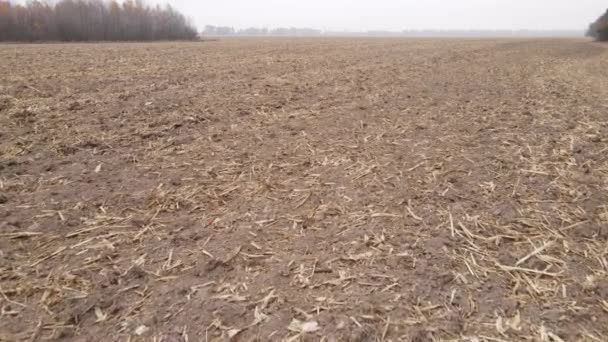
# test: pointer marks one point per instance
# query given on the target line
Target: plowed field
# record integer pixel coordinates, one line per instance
(327, 189)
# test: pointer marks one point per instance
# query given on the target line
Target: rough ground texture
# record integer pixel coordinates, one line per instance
(305, 189)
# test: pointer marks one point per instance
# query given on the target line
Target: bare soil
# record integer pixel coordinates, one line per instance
(305, 190)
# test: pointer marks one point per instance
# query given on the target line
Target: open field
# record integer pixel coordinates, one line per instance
(276, 189)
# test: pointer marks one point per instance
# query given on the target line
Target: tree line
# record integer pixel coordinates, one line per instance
(599, 28)
(91, 20)
(211, 30)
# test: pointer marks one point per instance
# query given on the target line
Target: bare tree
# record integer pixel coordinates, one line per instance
(599, 28)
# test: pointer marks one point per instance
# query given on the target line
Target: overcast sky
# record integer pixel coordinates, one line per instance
(395, 14)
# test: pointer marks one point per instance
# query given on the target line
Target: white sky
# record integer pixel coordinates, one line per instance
(356, 15)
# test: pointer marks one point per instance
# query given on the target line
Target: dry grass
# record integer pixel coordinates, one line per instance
(309, 189)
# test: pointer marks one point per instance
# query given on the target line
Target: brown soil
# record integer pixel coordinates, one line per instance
(304, 189)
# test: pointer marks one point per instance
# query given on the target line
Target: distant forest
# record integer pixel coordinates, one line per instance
(599, 28)
(91, 20)
(211, 30)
